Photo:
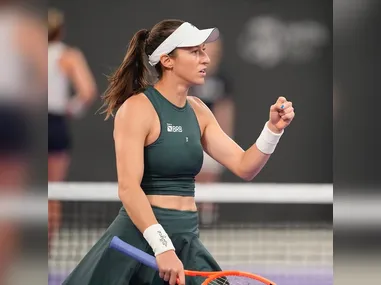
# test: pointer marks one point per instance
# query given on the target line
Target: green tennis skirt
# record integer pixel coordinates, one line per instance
(105, 266)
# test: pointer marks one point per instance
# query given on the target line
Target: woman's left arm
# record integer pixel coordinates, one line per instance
(246, 164)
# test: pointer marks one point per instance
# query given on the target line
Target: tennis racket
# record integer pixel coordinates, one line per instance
(210, 278)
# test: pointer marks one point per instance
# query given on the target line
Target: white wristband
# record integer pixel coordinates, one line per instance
(268, 140)
(158, 239)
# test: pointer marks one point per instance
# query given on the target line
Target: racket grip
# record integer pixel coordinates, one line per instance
(139, 255)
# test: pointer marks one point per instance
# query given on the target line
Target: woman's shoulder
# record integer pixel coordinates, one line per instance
(199, 106)
(133, 118)
(72, 53)
(69, 55)
(135, 106)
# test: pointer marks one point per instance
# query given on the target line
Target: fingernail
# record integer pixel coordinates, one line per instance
(282, 106)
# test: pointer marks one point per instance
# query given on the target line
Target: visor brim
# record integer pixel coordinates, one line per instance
(199, 37)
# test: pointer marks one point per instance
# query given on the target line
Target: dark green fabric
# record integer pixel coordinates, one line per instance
(176, 157)
(105, 266)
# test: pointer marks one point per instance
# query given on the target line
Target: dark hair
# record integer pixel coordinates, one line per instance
(133, 75)
(56, 21)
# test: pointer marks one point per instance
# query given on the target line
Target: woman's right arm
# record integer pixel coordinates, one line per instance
(74, 64)
(132, 126)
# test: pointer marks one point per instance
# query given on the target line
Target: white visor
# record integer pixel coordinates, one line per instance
(186, 35)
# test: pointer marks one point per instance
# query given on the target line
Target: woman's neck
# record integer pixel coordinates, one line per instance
(175, 92)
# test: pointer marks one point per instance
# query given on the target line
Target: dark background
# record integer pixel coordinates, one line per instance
(103, 29)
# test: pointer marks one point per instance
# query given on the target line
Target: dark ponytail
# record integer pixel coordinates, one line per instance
(132, 76)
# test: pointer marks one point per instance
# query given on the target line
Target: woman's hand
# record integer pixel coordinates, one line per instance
(281, 115)
(170, 267)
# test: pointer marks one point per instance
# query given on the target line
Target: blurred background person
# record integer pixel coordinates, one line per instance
(23, 81)
(67, 67)
(216, 93)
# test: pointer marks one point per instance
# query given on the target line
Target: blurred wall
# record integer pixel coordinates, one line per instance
(271, 48)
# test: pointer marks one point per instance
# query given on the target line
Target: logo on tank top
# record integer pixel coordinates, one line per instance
(174, 129)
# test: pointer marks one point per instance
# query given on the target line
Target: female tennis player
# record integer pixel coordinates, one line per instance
(67, 66)
(160, 134)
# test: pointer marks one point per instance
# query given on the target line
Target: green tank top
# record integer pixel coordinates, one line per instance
(175, 158)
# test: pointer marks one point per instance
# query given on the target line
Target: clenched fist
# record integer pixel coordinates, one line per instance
(281, 115)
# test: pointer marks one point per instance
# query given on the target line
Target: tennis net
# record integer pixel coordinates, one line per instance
(282, 231)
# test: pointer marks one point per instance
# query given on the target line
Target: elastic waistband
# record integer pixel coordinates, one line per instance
(174, 221)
